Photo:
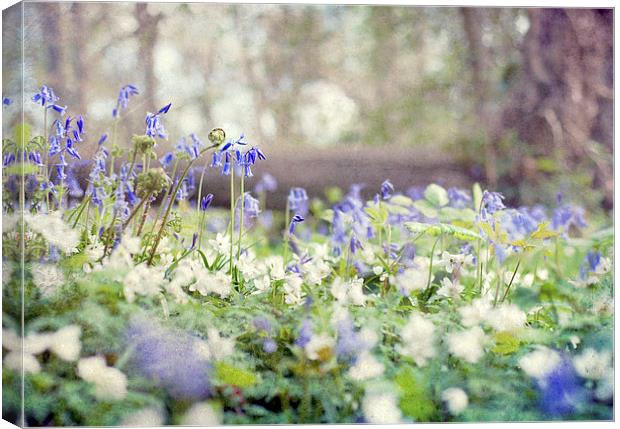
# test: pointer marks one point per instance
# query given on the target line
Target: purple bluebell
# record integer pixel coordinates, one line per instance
(45, 96)
(298, 201)
(493, 201)
(6, 101)
(102, 139)
(216, 160)
(267, 183)
(169, 358)
(205, 202)
(270, 346)
(154, 125)
(261, 323)
(459, 198)
(295, 220)
(305, 333)
(387, 190)
(355, 244)
(560, 392)
(568, 215)
(166, 160)
(8, 159)
(123, 99)
(251, 206)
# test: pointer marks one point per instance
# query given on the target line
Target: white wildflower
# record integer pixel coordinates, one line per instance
(381, 408)
(219, 347)
(47, 278)
(315, 271)
(456, 400)
(320, 347)
(418, 341)
(593, 364)
(506, 317)
(65, 343)
(221, 243)
(476, 312)
(150, 416)
(467, 345)
(540, 363)
(202, 414)
(411, 279)
(349, 291)
(262, 284)
(366, 367)
(142, 280)
(275, 265)
(110, 383)
(292, 289)
(54, 230)
(450, 289)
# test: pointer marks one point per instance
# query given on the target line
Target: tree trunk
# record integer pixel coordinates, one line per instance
(147, 34)
(564, 97)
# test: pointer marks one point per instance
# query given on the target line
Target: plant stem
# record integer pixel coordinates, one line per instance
(232, 215)
(511, 280)
(241, 219)
(145, 213)
(286, 236)
(430, 265)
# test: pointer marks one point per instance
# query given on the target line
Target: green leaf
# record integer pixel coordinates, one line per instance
(21, 133)
(378, 214)
(505, 343)
(415, 397)
(442, 228)
(477, 196)
(426, 208)
(542, 232)
(401, 200)
(436, 195)
(450, 214)
(229, 374)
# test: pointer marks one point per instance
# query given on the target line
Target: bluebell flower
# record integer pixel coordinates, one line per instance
(305, 333)
(6, 101)
(355, 244)
(568, 215)
(251, 206)
(561, 392)
(154, 126)
(57, 108)
(387, 190)
(493, 201)
(205, 202)
(298, 201)
(267, 183)
(8, 159)
(102, 139)
(591, 263)
(166, 160)
(459, 198)
(295, 220)
(216, 160)
(123, 99)
(45, 96)
(169, 358)
(270, 346)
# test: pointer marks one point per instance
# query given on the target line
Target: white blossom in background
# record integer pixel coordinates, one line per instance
(320, 347)
(202, 414)
(456, 400)
(412, 279)
(506, 318)
(476, 312)
(65, 343)
(450, 289)
(219, 347)
(54, 230)
(292, 289)
(467, 345)
(381, 408)
(48, 278)
(110, 383)
(593, 364)
(150, 416)
(142, 280)
(348, 291)
(366, 367)
(324, 113)
(540, 363)
(418, 339)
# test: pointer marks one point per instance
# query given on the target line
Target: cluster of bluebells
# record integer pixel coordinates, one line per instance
(47, 99)
(154, 125)
(124, 95)
(234, 153)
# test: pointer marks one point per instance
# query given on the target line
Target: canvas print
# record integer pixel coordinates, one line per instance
(229, 214)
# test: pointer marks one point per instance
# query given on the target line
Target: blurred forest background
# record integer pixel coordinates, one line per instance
(520, 99)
